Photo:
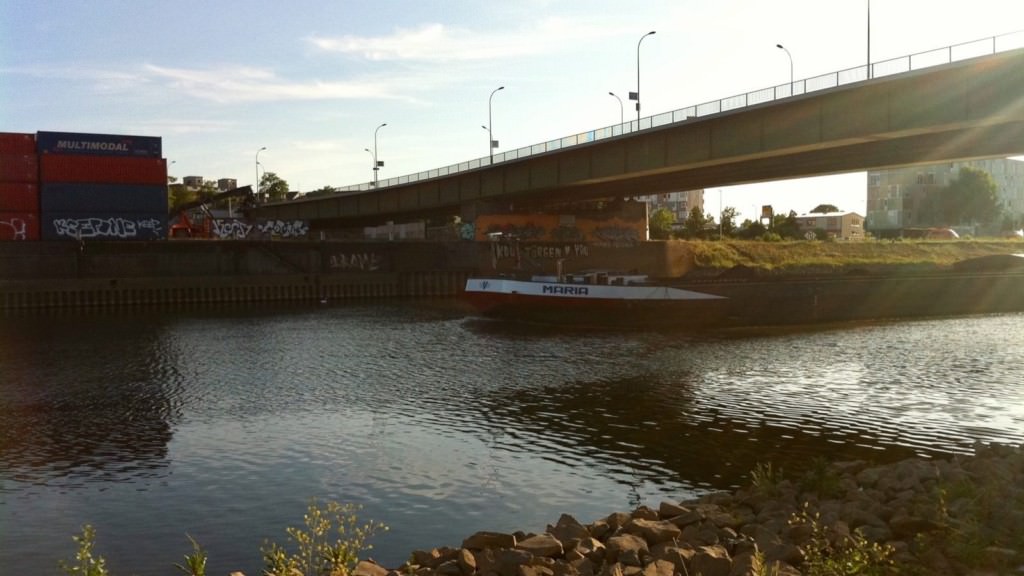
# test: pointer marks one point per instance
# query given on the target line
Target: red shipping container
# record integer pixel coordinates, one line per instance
(19, 197)
(19, 168)
(19, 226)
(68, 168)
(15, 143)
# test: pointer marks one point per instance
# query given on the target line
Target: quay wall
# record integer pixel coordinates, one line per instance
(42, 275)
(70, 274)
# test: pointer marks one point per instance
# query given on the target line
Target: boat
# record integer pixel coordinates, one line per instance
(593, 298)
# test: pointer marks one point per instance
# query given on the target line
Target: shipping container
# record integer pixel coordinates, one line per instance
(76, 197)
(98, 144)
(64, 168)
(102, 226)
(19, 226)
(19, 197)
(19, 168)
(15, 143)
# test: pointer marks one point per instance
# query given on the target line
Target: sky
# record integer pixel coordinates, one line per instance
(312, 80)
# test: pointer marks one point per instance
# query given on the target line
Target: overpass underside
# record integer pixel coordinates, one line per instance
(965, 110)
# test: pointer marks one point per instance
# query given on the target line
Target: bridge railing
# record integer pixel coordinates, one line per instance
(918, 61)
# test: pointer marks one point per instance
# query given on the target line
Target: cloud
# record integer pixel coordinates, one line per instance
(227, 84)
(438, 43)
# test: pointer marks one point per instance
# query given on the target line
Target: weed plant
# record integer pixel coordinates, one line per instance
(328, 545)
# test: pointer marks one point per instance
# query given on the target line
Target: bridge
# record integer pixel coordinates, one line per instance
(955, 103)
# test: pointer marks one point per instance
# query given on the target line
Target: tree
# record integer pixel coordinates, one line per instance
(786, 226)
(824, 209)
(660, 223)
(970, 198)
(273, 187)
(751, 230)
(178, 195)
(696, 223)
(728, 221)
(325, 191)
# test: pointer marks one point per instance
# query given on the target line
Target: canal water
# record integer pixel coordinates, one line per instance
(223, 424)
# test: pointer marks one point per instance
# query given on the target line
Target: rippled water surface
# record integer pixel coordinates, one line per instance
(223, 424)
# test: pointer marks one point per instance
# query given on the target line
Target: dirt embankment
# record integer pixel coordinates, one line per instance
(802, 257)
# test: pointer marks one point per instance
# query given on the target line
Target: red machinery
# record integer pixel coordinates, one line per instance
(194, 219)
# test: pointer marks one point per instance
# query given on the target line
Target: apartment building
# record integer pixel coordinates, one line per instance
(897, 198)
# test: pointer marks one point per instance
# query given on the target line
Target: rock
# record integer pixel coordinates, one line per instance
(906, 527)
(644, 513)
(652, 531)
(591, 548)
(712, 561)
(568, 528)
(659, 568)
(449, 568)
(466, 561)
(668, 510)
(482, 540)
(544, 545)
(678, 556)
(368, 568)
(625, 545)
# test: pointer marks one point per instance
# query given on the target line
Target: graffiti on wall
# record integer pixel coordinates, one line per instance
(284, 228)
(238, 229)
(122, 228)
(615, 230)
(361, 262)
(515, 251)
(231, 229)
(616, 236)
(18, 229)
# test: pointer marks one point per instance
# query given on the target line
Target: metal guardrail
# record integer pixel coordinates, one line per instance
(937, 57)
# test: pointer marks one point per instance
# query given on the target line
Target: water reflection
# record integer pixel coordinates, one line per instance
(98, 406)
(223, 422)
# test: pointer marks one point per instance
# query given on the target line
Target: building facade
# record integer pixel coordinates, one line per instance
(679, 203)
(898, 198)
(836, 225)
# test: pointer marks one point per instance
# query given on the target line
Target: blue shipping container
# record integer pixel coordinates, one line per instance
(98, 144)
(102, 226)
(115, 198)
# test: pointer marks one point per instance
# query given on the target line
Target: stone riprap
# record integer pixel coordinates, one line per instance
(961, 515)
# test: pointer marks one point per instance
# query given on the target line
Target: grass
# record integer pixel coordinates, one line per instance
(328, 545)
(794, 255)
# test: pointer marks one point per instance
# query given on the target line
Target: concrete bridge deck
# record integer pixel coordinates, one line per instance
(970, 108)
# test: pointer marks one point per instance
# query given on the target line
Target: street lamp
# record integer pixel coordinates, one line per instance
(869, 40)
(636, 95)
(258, 171)
(783, 48)
(491, 144)
(621, 119)
(377, 164)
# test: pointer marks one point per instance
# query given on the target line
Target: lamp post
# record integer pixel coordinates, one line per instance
(258, 171)
(377, 164)
(637, 93)
(491, 144)
(621, 118)
(869, 39)
(783, 48)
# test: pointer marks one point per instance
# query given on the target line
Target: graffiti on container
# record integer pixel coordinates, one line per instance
(230, 229)
(285, 228)
(106, 227)
(365, 262)
(19, 229)
(467, 231)
(616, 236)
